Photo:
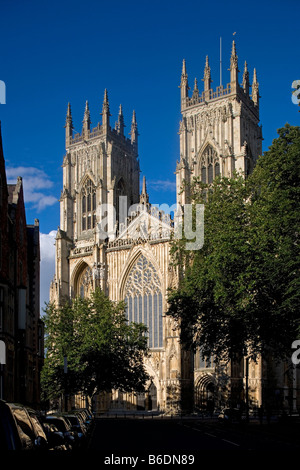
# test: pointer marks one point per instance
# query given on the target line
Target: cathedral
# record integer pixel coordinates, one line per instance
(126, 252)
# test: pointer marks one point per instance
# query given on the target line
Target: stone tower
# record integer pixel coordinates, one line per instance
(128, 259)
(100, 165)
(219, 131)
(219, 135)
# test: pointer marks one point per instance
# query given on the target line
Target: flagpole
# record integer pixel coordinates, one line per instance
(220, 61)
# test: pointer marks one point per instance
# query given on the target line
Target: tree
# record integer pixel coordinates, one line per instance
(103, 351)
(274, 190)
(240, 293)
(209, 303)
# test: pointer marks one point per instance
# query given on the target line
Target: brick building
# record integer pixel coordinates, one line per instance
(21, 329)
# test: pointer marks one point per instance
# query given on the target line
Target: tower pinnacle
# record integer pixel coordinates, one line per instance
(144, 197)
(196, 89)
(207, 76)
(69, 126)
(234, 66)
(246, 83)
(184, 87)
(120, 123)
(86, 120)
(134, 131)
(255, 89)
(105, 112)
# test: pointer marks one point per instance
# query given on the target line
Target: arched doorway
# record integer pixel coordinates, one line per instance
(205, 393)
(151, 398)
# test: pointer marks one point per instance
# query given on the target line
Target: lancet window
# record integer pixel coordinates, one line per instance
(144, 301)
(88, 206)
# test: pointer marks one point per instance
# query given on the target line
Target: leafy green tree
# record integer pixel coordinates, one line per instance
(274, 189)
(209, 303)
(240, 292)
(103, 351)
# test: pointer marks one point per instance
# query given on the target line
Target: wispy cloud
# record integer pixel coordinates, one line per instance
(162, 185)
(36, 184)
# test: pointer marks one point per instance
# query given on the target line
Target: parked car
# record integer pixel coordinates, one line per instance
(86, 415)
(64, 426)
(56, 439)
(10, 436)
(77, 426)
(18, 431)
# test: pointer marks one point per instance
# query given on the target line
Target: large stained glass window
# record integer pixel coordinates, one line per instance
(143, 297)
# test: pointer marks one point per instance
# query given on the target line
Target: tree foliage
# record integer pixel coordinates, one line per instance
(240, 292)
(103, 351)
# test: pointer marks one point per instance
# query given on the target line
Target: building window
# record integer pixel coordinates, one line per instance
(120, 191)
(210, 166)
(144, 301)
(85, 282)
(210, 174)
(203, 362)
(88, 206)
(203, 175)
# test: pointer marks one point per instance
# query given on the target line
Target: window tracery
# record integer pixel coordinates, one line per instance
(210, 166)
(85, 282)
(88, 206)
(143, 297)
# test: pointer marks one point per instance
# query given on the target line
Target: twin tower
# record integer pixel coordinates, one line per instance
(219, 134)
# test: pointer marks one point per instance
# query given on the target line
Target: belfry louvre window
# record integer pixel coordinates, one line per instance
(88, 206)
(210, 167)
(144, 302)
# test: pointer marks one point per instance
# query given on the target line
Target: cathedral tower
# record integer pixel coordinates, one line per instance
(131, 261)
(219, 130)
(100, 165)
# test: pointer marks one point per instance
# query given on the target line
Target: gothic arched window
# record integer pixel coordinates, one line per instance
(84, 283)
(203, 174)
(120, 191)
(88, 206)
(210, 173)
(210, 166)
(144, 301)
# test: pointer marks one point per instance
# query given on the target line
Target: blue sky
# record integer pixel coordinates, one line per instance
(53, 52)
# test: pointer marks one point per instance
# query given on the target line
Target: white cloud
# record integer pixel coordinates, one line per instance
(47, 266)
(34, 180)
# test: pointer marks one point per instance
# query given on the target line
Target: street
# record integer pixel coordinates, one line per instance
(183, 440)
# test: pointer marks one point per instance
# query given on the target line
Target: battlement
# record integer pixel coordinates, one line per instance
(207, 96)
(97, 132)
(232, 88)
(103, 129)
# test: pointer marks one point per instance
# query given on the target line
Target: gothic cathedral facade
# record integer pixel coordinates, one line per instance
(128, 256)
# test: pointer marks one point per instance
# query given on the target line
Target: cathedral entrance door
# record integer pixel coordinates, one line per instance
(151, 398)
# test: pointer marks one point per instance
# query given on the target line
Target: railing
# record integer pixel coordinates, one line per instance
(152, 415)
(209, 95)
